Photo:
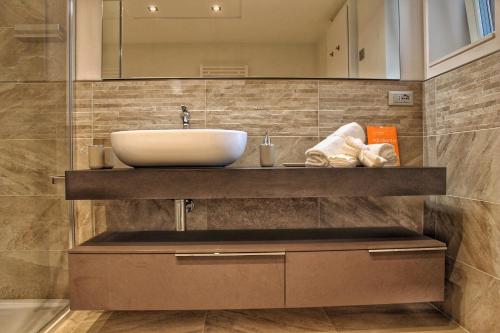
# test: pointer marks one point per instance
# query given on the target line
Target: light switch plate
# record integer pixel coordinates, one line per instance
(404, 98)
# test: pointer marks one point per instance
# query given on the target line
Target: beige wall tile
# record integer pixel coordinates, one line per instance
(343, 212)
(473, 164)
(130, 215)
(366, 102)
(56, 12)
(33, 147)
(84, 222)
(281, 122)
(80, 153)
(197, 219)
(169, 94)
(137, 215)
(33, 223)
(262, 213)
(287, 149)
(430, 151)
(26, 165)
(262, 95)
(429, 107)
(32, 110)
(21, 60)
(430, 210)
(461, 107)
(99, 217)
(82, 110)
(411, 151)
(471, 230)
(471, 298)
(128, 105)
(21, 12)
(33, 274)
(467, 98)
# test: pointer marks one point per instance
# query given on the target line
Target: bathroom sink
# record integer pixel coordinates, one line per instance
(186, 147)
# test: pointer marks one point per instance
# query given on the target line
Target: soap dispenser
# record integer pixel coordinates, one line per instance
(267, 152)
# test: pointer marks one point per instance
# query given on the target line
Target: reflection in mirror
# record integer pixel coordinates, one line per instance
(251, 38)
(455, 24)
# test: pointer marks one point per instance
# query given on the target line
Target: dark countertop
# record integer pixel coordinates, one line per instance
(276, 182)
(256, 240)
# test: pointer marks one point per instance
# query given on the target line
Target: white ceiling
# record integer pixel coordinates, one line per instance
(244, 21)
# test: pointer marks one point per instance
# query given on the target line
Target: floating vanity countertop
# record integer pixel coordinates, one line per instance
(279, 182)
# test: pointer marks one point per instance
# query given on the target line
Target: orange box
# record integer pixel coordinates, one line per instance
(384, 134)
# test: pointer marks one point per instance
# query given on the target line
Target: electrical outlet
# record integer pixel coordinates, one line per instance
(404, 98)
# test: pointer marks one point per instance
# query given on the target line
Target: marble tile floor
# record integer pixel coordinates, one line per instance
(415, 318)
(28, 315)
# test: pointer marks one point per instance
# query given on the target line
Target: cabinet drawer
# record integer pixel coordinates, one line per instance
(336, 278)
(169, 282)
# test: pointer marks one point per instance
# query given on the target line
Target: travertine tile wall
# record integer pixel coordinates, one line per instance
(298, 113)
(34, 225)
(462, 133)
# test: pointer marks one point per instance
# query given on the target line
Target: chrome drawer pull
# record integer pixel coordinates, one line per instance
(228, 254)
(416, 249)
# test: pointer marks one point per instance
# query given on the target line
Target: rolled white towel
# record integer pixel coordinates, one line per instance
(343, 161)
(333, 145)
(385, 150)
(365, 156)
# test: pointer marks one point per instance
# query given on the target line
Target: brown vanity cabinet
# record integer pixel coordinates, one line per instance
(272, 273)
(332, 278)
(166, 282)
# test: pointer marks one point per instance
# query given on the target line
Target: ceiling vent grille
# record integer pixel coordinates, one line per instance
(224, 71)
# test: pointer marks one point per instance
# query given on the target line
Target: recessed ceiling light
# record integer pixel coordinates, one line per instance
(153, 8)
(216, 8)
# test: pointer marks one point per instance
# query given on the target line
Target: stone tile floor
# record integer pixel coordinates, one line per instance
(367, 319)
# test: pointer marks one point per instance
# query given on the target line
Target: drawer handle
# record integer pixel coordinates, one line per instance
(228, 254)
(416, 249)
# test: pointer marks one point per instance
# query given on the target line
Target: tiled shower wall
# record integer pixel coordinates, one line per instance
(298, 114)
(462, 133)
(34, 224)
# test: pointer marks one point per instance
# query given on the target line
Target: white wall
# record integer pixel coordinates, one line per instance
(371, 38)
(411, 33)
(184, 60)
(111, 39)
(88, 39)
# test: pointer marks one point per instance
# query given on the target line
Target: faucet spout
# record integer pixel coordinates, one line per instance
(186, 117)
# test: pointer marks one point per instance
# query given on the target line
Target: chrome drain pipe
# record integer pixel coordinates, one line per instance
(182, 207)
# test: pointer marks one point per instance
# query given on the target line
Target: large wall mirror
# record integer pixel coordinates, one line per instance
(251, 38)
(455, 26)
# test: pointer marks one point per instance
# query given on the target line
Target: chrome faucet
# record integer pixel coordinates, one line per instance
(186, 117)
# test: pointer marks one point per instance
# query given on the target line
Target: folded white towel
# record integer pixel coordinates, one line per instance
(334, 145)
(385, 150)
(343, 161)
(364, 154)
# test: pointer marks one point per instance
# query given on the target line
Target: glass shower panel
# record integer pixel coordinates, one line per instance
(34, 141)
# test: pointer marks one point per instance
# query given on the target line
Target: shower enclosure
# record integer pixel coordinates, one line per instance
(35, 141)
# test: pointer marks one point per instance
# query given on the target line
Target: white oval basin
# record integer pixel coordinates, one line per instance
(186, 147)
